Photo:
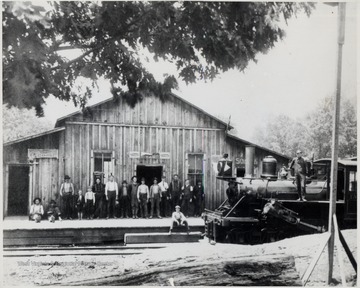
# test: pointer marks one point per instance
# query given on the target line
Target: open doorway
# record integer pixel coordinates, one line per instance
(18, 190)
(149, 172)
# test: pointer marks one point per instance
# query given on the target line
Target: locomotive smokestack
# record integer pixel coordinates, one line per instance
(249, 161)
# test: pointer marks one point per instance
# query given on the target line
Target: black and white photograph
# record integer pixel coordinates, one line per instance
(179, 143)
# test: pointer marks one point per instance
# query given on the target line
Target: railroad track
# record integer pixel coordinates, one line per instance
(78, 250)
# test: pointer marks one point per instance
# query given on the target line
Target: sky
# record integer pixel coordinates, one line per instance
(290, 79)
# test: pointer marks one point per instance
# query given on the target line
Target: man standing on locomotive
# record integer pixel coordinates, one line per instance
(299, 165)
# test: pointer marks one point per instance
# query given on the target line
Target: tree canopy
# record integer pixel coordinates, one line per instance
(201, 38)
(18, 123)
(313, 133)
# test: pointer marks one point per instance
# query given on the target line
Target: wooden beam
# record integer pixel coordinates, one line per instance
(348, 251)
(311, 267)
(335, 139)
(143, 125)
(339, 252)
(30, 187)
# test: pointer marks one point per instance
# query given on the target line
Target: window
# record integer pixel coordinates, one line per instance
(103, 163)
(352, 181)
(195, 168)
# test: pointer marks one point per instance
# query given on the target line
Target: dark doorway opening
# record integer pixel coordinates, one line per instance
(18, 190)
(149, 172)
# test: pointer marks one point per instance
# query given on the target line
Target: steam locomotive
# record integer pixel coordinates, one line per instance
(266, 208)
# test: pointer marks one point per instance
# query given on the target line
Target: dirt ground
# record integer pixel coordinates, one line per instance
(71, 270)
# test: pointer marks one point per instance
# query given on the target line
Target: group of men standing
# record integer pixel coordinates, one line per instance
(135, 199)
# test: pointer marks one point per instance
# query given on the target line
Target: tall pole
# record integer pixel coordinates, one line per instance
(335, 138)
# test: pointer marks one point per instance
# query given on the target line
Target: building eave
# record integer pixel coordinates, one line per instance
(258, 146)
(55, 130)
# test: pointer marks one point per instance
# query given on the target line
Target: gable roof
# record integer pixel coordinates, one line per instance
(258, 146)
(172, 94)
(55, 130)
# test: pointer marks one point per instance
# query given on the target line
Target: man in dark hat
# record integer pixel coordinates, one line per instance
(133, 195)
(99, 190)
(199, 198)
(124, 200)
(66, 193)
(175, 191)
(232, 193)
(300, 170)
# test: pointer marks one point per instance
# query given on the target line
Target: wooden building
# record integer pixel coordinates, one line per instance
(154, 138)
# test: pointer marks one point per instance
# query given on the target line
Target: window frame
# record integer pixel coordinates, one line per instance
(195, 175)
(112, 161)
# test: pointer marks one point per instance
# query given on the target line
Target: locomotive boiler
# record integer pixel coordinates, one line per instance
(266, 209)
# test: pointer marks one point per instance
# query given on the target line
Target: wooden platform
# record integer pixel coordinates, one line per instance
(141, 238)
(22, 232)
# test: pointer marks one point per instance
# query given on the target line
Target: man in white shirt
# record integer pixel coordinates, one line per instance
(111, 194)
(165, 205)
(155, 198)
(143, 196)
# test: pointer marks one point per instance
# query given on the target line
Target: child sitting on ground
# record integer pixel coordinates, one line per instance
(178, 219)
(36, 210)
(53, 212)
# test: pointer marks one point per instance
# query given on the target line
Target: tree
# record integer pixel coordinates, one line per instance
(320, 123)
(201, 38)
(348, 126)
(18, 123)
(313, 133)
(283, 134)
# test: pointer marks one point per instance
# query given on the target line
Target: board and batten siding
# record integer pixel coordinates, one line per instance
(45, 173)
(83, 139)
(150, 111)
(152, 126)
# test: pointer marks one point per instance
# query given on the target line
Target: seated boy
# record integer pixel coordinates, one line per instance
(53, 212)
(178, 219)
(36, 210)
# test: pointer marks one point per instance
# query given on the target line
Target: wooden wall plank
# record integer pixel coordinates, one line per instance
(149, 147)
(61, 156)
(121, 150)
(183, 156)
(88, 155)
(80, 150)
(195, 147)
(125, 151)
(177, 152)
(72, 152)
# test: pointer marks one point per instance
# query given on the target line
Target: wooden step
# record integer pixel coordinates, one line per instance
(137, 238)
